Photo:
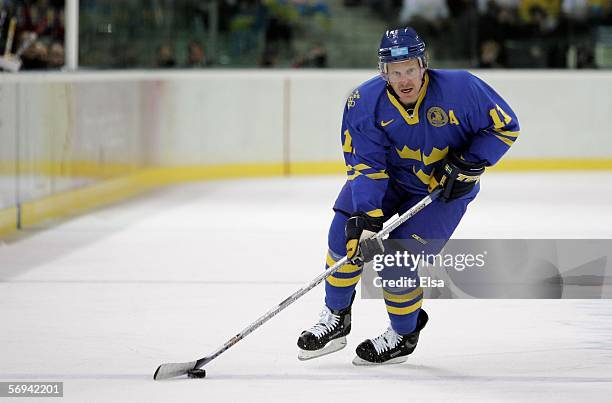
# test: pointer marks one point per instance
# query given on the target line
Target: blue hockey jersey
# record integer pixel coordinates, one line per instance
(381, 141)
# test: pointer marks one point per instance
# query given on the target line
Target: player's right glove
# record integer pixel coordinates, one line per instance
(456, 177)
(361, 247)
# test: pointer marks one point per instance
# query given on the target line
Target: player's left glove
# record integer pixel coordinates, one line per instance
(456, 177)
(361, 247)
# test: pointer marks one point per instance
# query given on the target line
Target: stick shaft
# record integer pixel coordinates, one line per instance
(9, 36)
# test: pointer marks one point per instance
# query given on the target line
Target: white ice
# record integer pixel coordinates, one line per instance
(101, 300)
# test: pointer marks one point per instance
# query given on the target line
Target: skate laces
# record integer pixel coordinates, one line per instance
(327, 321)
(386, 341)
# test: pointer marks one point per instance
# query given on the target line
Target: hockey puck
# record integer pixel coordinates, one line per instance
(196, 373)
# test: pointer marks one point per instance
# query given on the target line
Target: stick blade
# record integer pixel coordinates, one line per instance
(171, 370)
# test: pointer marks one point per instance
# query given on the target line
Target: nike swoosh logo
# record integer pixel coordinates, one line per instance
(383, 123)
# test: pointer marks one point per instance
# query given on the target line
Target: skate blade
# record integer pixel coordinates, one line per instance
(361, 362)
(331, 347)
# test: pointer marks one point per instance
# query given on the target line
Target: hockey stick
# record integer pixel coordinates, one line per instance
(171, 370)
(10, 62)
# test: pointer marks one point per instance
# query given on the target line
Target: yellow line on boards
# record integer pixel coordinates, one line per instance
(168, 175)
(85, 198)
(8, 221)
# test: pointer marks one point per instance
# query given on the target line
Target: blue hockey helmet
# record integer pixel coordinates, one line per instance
(398, 45)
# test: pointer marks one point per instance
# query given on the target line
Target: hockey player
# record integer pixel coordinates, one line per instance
(404, 133)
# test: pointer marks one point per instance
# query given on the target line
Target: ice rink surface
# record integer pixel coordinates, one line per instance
(99, 301)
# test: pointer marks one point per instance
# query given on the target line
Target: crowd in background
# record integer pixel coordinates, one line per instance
(34, 30)
(261, 30)
(279, 23)
(297, 33)
(201, 33)
(505, 33)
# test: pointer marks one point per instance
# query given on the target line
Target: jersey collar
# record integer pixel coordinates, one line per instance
(415, 116)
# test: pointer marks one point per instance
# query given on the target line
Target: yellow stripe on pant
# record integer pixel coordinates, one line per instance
(347, 276)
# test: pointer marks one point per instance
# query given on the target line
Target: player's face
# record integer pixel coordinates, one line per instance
(406, 79)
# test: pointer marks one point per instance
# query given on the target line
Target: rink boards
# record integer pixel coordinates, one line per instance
(67, 132)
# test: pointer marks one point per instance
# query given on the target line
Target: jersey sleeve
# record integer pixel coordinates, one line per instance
(493, 122)
(365, 150)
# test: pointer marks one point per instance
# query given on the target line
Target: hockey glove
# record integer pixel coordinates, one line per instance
(456, 177)
(361, 247)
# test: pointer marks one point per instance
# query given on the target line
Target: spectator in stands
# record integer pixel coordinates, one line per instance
(462, 37)
(490, 55)
(245, 24)
(35, 56)
(428, 17)
(577, 10)
(279, 29)
(165, 57)
(39, 23)
(432, 12)
(544, 12)
(270, 57)
(314, 57)
(582, 10)
(499, 20)
(600, 9)
(497, 24)
(540, 16)
(196, 58)
(315, 13)
(45, 19)
(585, 57)
(56, 56)
(309, 8)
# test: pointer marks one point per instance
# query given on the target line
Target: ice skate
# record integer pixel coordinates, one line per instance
(328, 335)
(390, 347)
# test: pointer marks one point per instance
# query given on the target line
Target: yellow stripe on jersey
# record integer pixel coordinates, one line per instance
(423, 177)
(406, 310)
(375, 176)
(354, 175)
(435, 155)
(347, 146)
(507, 133)
(508, 142)
(378, 175)
(361, 167)
(408, 153)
